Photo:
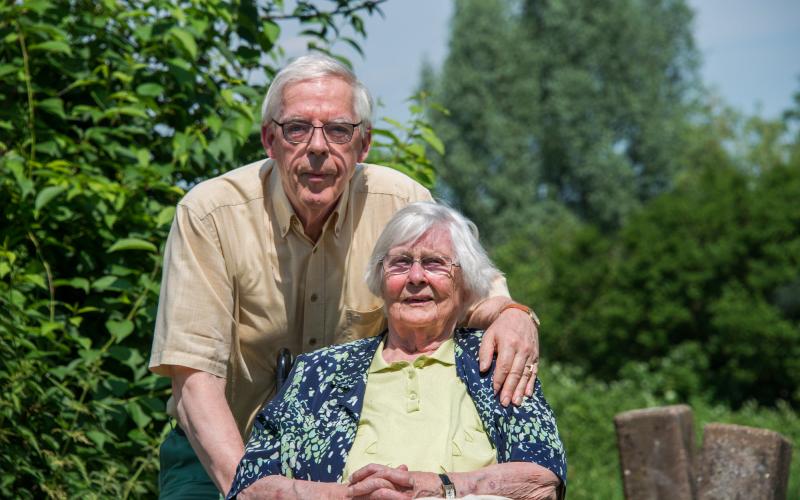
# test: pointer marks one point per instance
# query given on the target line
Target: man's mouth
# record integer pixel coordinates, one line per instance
(316, 177)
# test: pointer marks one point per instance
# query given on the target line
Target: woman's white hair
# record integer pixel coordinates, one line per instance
(408, 224)
(312, 67)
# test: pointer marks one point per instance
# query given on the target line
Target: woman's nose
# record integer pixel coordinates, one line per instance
(417, 273)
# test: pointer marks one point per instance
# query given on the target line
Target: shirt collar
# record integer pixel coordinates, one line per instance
(444, 354)
(285, 212)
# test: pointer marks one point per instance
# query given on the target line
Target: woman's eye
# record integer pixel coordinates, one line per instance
(433, 261)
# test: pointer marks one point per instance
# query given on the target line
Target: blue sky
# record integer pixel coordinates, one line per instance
(750, 50)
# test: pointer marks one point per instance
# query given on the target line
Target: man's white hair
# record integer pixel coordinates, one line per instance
(312, 67)
(408, 224)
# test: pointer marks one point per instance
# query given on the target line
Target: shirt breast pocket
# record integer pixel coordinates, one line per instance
(360, 324)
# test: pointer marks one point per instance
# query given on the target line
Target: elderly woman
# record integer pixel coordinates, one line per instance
(407, 413)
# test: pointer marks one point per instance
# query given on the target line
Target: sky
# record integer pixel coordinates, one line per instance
(750, 51)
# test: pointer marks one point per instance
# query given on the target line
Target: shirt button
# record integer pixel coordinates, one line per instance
(313, 297)
(312, 341)
(413, 396)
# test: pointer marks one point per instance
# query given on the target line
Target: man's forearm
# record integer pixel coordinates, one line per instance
(204, 415)
(485, 312)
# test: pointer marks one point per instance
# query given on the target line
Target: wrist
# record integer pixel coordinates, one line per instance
(464, 483)
(427, 484)
(522, 308)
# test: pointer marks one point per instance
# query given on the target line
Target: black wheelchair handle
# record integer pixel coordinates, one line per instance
(283, 367)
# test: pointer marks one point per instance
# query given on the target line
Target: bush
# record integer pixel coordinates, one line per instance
(700, 287)
(109, 110)
(585, 408)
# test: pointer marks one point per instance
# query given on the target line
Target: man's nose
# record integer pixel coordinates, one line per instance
(317, 143)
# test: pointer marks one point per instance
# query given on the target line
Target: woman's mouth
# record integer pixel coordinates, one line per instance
(418, 300)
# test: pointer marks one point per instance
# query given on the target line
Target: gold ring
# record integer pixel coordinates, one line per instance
(528, 370)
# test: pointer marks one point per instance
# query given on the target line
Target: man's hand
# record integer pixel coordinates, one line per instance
(515, 338)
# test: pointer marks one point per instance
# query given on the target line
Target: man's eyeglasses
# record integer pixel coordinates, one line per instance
(434, 264)
(297, 132)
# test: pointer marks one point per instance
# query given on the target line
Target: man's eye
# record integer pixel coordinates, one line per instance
(296, 128)
(337, 130)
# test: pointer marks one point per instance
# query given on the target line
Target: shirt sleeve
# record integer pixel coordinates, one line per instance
(195, 320)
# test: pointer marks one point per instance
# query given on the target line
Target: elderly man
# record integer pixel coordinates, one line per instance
(273, 255)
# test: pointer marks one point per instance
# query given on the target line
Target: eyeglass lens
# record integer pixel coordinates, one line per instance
(337, 133)
(401, 264)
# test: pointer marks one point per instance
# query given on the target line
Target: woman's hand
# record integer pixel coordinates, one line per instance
(375, 482)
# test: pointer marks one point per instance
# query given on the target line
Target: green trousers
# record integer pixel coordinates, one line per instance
(182, 475)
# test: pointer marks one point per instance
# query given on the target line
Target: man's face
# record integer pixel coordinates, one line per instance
(314, 174)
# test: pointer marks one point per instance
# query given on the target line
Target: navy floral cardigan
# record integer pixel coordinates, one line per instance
(307, 430)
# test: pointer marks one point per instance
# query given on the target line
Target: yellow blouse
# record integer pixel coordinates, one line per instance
(419, 414)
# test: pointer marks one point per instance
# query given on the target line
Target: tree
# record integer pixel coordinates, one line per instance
(109, 111)
(580, 103)
(699, 287)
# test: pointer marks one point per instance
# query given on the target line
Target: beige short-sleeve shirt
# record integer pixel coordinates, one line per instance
(241, 279)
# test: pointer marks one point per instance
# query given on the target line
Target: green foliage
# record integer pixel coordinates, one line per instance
(404, 147)
(700, 289)
(580, 103)
(585, 408)
(109, 111)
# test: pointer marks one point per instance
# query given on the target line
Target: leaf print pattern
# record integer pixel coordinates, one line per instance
(308, 428)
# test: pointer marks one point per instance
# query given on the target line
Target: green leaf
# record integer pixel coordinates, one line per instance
(430, 137)
(139, 417)
(150, 90)
(6, 69)
(165, 216)
(103, 283)
(125, 110)
(119, 329)
(45, 196)
(186, 41)
(54, 105)
(36, 279)
(98, 438)
(272, 31)
(52, 46)
(79, 283)
(132, 244)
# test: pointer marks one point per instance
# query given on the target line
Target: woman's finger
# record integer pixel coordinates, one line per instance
(369, 486)
(365, 472)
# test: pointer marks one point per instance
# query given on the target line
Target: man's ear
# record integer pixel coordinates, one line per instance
(268, 138)
(366, 142)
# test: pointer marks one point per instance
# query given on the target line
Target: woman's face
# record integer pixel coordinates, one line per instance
(423, 299)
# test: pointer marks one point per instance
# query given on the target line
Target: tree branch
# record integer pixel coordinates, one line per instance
(339, 11)
(27, 70)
